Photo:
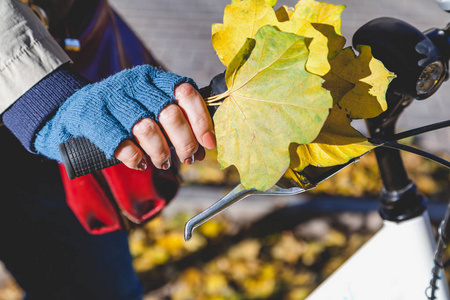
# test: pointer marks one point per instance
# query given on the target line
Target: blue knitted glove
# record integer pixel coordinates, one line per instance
(105, 112)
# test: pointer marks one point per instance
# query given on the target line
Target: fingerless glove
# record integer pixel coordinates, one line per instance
(34, 108)
(105, 112)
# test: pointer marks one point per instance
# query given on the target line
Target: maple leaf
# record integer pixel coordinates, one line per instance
(320, 22)
(358, 86)
(272, 102)
(284, 13)
(241, 20)
(336, 144)
(321, 13)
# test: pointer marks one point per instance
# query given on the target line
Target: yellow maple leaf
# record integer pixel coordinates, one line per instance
(320, 22)
(321, 13)
(358, 83)
(284, 13)
(311, 19)
(241, 20)
(336, 144)
(272, 102)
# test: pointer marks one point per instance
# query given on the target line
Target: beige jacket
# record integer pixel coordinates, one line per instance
(27, 51)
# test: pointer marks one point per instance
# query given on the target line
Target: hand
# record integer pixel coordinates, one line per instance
(187, 126)
(134, 107)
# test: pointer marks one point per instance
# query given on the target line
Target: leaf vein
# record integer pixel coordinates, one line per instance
(252, 132)
(282, 103)
(268, 66)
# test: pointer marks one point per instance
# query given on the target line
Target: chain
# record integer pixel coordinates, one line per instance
(438, 264)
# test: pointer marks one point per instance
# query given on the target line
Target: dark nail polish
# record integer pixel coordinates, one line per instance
(142, 165)
(189, 160)
(166, 165)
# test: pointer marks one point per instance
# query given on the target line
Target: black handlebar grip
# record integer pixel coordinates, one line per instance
(81, 157)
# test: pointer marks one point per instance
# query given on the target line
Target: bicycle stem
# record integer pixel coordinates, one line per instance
(392, 170)
(399, 198)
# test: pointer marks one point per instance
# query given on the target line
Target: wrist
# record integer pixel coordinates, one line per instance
(30, 112)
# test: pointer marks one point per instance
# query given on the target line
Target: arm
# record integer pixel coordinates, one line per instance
(186, 125)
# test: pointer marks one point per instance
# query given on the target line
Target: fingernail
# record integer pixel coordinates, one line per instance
(166, 165)
(142, 165)
(209, 140)
(189, 160)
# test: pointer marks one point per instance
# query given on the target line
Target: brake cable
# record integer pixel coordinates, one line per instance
(390, 143)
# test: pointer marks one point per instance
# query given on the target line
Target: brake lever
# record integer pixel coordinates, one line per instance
(291, 183)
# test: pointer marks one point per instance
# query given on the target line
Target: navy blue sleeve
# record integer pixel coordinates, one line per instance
(30, 112)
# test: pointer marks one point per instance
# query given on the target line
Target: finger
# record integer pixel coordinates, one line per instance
(131, 155)
(194, 108)
(151, 139)
(179, 133)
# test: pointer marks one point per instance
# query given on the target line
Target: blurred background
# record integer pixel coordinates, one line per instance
(266, 247)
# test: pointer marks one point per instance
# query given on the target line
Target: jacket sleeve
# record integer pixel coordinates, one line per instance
(28, 52)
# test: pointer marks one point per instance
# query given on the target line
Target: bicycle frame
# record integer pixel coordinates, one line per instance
(395, 263)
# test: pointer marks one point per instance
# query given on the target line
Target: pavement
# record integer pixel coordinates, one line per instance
(178, 32)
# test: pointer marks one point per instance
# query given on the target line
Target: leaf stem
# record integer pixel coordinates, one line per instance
(218, 97)
(214, 104)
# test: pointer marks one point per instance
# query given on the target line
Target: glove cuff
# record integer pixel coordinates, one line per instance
(30, 112)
